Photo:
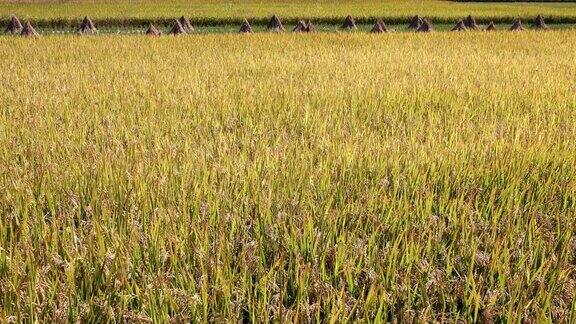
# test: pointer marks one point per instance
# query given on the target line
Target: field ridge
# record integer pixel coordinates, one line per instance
(210, 21)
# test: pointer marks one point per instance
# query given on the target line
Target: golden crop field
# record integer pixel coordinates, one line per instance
(299, 177)
(124, 12)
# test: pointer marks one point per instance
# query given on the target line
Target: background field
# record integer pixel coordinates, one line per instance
(507, 1)
(326, 176)
(132, 13)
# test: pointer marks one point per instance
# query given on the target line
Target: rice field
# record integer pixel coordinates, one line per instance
(212, 12)
(315, 177)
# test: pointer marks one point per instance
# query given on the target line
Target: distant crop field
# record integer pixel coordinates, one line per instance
(519, 1)
(218, 12)
(312, 177)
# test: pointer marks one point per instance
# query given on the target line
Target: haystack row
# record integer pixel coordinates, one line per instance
(379, 27)
(425, 27)
(460, 26)
(14, 26)
(349, 23)
(539, 23)
(245, 27)
(28, 31)
(87, 27)
(470, 23)
(177, 29)
(491, 27)
(275, 25)
(517, 26)
(184, 26)
(303, 27)
(415, 23)
(153, 31)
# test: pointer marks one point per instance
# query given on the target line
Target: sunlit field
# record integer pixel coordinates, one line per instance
(266, 177)
(125, 12)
